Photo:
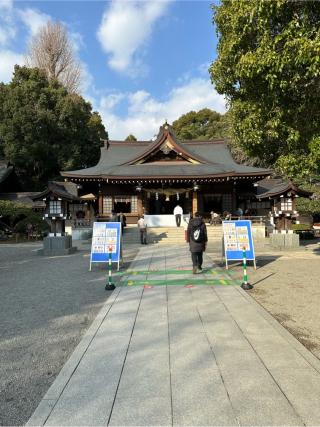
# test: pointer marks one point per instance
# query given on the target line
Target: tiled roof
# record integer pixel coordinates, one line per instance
(25, 198)
(60, 189)
(271, 187)
(118, 159)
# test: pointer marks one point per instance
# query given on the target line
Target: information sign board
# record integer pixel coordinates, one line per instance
(237, 235)
(104, 236)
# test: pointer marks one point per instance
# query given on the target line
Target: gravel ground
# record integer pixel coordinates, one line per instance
(46, 305)
(289, 288)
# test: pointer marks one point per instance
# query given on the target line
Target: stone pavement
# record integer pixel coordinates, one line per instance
(183, 355)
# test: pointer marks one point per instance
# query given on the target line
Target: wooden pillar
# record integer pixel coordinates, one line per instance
(100, 205)
(194, 202)
(139, 204)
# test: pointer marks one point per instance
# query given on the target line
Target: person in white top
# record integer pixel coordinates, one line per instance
(142, 225)
(178, 212)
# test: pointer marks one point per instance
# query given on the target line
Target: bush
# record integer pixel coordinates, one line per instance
(39, 226)
(301, 227)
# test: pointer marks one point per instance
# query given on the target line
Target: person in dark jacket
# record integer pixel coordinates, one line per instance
(197, 239)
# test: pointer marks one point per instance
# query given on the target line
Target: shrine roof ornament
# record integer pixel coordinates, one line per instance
(166, 142)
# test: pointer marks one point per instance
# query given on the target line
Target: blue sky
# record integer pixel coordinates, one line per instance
(143, 61)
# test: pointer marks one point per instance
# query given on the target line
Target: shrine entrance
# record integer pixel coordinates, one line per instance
(162, 204)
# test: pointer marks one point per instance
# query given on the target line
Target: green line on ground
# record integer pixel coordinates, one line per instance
(181, 282)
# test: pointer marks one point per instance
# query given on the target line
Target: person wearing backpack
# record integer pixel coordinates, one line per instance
(197, 239)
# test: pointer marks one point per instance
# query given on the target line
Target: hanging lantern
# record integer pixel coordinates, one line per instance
(157, 196)
(187, 195)
(148, 195)
(195, 186)
(138, 187)
(178, 196)
(167, 198)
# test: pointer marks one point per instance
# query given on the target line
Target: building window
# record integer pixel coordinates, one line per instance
(107, 204)
(55, 207)
(286, 204)
(134, 204)
(124, 203)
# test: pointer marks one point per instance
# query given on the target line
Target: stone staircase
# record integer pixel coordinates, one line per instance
(168, 235)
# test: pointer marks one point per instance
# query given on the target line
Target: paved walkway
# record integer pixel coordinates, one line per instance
(183, 355)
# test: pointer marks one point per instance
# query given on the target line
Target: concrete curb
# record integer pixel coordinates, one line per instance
(48, 402)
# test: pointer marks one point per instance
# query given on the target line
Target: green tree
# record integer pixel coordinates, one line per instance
(202, 125)
(131, 138)
(268, 67)
(45, 129)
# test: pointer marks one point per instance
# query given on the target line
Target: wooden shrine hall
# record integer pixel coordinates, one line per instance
(152, 177)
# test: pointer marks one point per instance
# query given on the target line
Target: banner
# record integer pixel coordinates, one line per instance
(104, 236)
(237, 235)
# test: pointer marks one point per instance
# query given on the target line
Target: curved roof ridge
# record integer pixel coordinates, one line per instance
(165, 131)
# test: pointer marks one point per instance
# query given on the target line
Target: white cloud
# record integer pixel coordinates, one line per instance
(33, 19)
(6, 4)
(8, 28)
(8, 60)
(126, 27)
(145, 113)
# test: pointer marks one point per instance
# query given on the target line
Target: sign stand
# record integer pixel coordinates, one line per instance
(110, 286)
(237, 235)
(245, 284)
(106, 235)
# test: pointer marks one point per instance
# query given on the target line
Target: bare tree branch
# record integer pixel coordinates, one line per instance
(51, 50)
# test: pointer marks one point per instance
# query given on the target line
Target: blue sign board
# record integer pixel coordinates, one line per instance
(106, 236)
(237, 236)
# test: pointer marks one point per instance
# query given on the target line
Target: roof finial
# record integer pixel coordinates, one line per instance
(166, 126)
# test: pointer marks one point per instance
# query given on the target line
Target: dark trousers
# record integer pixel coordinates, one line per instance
(143, 236)
(178, 219)
(197, 259)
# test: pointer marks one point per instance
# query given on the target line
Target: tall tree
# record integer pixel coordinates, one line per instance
(205, 124)
(268, 67)
(130, 138)
(45, 129)
(51, 50)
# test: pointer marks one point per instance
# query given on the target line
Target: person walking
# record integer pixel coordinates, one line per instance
(178, 212)
(142, 225)
(197, 239)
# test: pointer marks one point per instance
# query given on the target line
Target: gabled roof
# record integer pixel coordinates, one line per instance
(167, 139)
(25, 198)
(58, 189)
(271, 187)
(130, 160)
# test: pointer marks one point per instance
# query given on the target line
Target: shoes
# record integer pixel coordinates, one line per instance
(200, 269)
(194, 270)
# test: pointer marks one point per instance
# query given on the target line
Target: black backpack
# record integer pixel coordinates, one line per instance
(197, 233)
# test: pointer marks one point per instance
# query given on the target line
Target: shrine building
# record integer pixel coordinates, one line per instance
(152, 177)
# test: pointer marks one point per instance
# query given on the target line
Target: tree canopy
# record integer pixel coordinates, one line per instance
(268, 67)
(131, 138)
(202, 125)
(51, 50)
(45, 129)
